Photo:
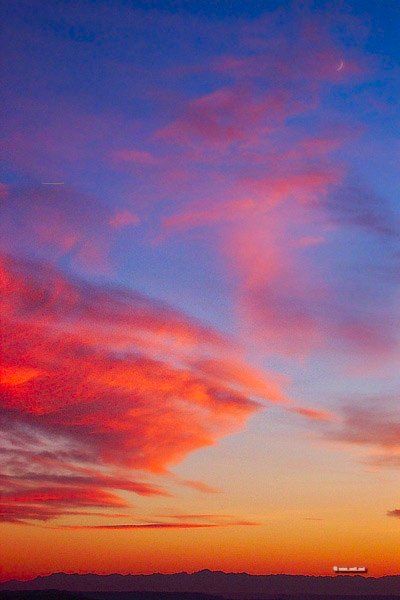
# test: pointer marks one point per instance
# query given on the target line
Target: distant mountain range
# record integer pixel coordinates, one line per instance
(234, 586)
(63, 595)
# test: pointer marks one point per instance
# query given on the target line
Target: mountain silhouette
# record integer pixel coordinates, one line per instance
(63, 595)
(233, 586)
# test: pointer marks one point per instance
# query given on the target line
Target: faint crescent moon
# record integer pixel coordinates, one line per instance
(340, 67)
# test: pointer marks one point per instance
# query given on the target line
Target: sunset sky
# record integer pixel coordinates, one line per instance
(199, 278)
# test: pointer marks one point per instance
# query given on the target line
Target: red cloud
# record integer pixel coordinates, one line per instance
(65, 496)
(86, 370)
(102, 375)
(80, 476)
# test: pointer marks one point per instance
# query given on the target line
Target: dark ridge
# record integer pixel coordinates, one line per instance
(62, 595)
(213, 585)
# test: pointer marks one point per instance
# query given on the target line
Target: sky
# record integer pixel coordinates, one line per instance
(199, 272)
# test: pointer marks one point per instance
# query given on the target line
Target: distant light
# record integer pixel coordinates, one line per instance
(350, 569)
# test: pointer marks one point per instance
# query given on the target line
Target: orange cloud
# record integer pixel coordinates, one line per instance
(312, 413)
(248, 380)
(12, 376)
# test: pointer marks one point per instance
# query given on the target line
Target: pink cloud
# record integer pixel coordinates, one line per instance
(272, 249)
(3, 190)
(371, 426)
(307, 241)
(225, 117)
(56, 221)
(287, 302)
(209, 214)
(123, 218)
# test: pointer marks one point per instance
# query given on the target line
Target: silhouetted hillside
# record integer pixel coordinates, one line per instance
(62, 595)
(214, 583)
(41, 595)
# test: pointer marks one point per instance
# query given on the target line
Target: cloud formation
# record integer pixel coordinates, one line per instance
(184, 521)
(99, 375)
(282, 226)
(188, 525)
(369, 425)
(58, 222)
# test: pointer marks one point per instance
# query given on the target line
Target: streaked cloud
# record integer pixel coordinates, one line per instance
(87, 368)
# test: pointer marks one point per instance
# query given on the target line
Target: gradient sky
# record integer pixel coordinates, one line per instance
(199, 280)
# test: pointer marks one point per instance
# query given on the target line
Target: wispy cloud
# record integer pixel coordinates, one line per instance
(123, 218)
(179, 522)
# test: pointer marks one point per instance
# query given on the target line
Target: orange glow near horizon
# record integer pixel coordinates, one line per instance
(307, 551)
